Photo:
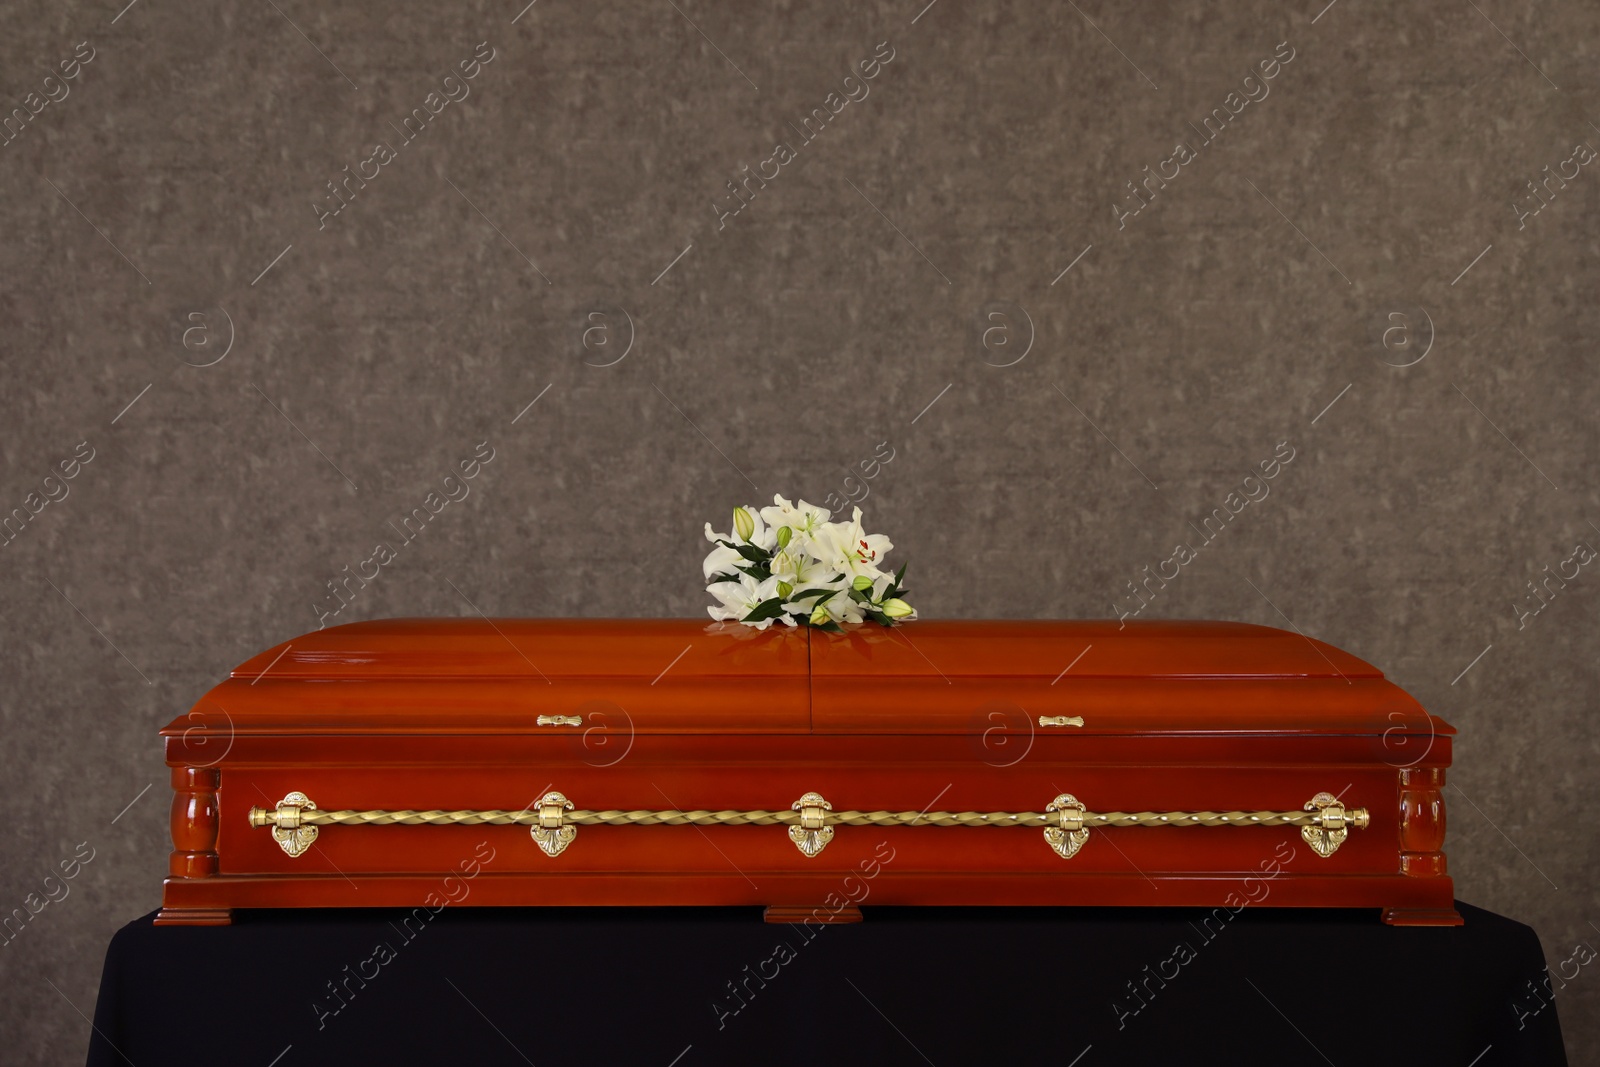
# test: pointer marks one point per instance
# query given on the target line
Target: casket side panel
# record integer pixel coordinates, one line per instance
(648, 715)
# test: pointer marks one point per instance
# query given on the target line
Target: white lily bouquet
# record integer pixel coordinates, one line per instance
(787, 563)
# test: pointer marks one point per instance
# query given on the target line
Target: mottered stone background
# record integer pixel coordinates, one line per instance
(1354, 263)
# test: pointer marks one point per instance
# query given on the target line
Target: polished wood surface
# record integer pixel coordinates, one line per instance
(194, 821)
(443, 713)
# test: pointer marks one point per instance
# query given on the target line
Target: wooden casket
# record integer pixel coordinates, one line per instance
(426, 762)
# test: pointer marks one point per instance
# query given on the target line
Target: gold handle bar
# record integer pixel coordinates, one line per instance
(1324, 822)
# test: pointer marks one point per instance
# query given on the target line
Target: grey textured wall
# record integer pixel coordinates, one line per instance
(1371, 210)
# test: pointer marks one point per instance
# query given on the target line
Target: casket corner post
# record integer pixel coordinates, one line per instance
(1421, 827)
(193, 751)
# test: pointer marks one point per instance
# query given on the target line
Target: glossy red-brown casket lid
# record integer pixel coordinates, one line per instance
(475, 675)
(1139, 677)
(467, 675)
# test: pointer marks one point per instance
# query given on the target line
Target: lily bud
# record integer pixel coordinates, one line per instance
(862, 583)
(744, 524)
(820, 617)
(896, 608)
(784, 588)
(784, 535)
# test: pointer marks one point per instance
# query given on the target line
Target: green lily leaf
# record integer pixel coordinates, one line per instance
(749, 552)
(767, 609)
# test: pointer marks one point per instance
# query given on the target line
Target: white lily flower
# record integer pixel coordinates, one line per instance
(801, 569)
(845, 547)
(721, 560)
(740, 597)
(803, 518)
(839, 609)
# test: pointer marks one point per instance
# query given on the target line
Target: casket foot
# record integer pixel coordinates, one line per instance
(1422, 917)
(194, 917)
(799, 913)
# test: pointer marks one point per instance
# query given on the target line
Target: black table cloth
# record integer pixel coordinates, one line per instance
(945, 986)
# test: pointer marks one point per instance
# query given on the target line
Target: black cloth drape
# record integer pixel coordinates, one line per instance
(693, 986)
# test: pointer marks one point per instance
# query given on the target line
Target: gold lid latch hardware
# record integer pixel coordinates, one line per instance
(1060, 720)
(559, 720)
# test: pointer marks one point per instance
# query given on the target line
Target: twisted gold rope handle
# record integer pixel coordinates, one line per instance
(1324, 822)
(700, 817)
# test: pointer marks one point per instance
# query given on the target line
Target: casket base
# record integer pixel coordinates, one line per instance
(799, 913)
(1403, 901)
(1422, 917)
(194, 917)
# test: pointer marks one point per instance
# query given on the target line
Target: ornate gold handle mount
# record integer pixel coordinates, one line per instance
(1332, 824)
(289, 829)
(812, 834)
(1060, 720)
(553, 833)
(559, 720)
